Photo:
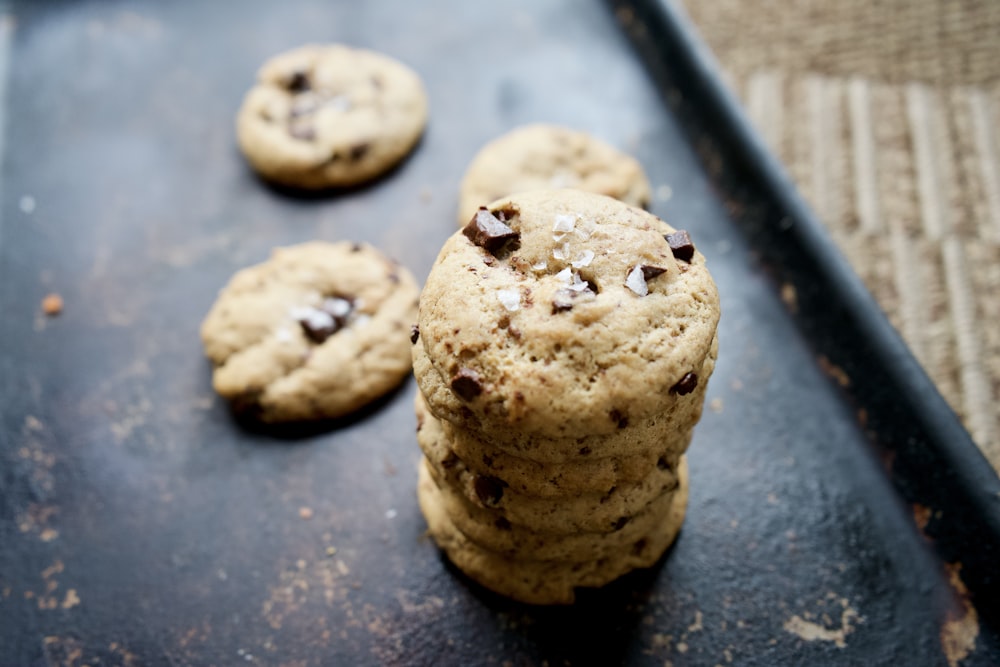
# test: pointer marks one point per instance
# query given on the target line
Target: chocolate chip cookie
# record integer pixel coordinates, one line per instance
(535, 157)
(330, 116)
(315, 332)
(564, 314)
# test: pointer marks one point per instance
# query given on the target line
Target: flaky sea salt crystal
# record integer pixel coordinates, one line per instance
(562, 252)
(636, 282)
(362, 320)
(336, 306)
(564, 223)
(566, 276)
(509, 298)
(583, 259)
(585, 228)
(313, 317)
(578, 284)
(540, 266)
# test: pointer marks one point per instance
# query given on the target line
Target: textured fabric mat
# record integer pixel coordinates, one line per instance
(887, 115)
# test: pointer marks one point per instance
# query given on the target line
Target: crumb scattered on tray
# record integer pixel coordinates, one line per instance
(305, 513)
(52, 304)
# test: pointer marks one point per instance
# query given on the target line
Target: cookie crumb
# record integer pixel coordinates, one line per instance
(52, 304)
(305, 513)
(331, 551)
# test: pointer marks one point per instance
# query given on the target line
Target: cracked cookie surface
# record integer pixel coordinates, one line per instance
(330, 116)
(317, 331)
(536, 157)
(564, 314)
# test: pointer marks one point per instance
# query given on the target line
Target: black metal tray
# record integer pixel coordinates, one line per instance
(831, 522)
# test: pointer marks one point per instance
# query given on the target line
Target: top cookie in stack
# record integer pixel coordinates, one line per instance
(564, 345)
(579, 319)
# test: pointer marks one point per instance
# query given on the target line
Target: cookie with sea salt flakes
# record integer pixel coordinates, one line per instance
(330, 116)
(564, 314)
(317, 331)
(534, 157)
(543, 581)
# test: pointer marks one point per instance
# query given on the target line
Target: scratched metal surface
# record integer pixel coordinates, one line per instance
(140, 524)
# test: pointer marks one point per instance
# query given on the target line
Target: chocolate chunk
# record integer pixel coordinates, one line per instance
(685, 385)
(358, 151)
(489, 490)
(302, 132)
(620, 523)
(355, 247)
(414, 333)
(618, 418)
(299, 81)
(489, 232)
(650, 272)
(680, 245)
(502, 524)
(466, 384)
(662, 463)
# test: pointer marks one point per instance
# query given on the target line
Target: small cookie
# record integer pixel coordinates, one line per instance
(315, 332)
(330, 116)
(585, 474)
(564, 314)
(543, 581)
(540, 157)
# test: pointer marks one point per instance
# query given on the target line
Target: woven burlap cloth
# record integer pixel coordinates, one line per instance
(887, 115)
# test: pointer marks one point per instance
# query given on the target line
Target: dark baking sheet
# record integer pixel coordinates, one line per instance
(141, 525)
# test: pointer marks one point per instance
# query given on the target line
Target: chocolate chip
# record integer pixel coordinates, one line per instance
(414, 333)
(680, 245)
(358, 151)
(650, 272)
(489, 232)
(502, 524)
(331, 316)
(620, 523)
(618, 418)
(302, 132)
(685, 385)
(298, 82)
(662, 463)
(466, 384)
(489, 490)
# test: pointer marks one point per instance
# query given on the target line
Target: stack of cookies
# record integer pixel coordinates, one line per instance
(563, 348)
